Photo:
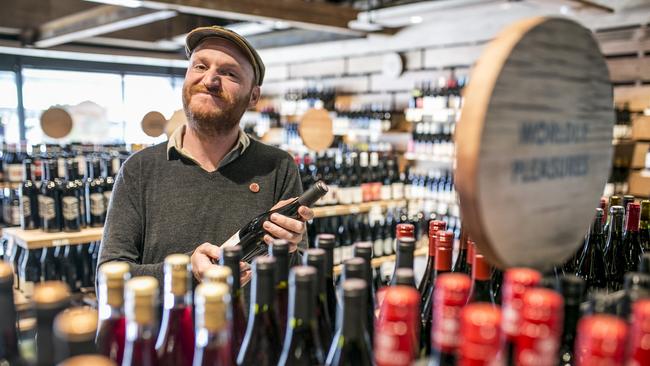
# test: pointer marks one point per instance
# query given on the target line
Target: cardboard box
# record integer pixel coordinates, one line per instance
(638, 157)
(641, 128)
(639, 183)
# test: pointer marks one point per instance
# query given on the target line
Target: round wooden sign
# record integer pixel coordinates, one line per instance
(56, 122)
(153, 124)
(534, 143)
(316, 129)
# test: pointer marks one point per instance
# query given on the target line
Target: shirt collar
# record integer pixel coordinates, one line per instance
(175, 145)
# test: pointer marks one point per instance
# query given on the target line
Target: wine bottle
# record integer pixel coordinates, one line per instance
(601, 340)
(516, 282)
(252, 233)
(471, 248)
(541, 309)
(572, 289)
(631, 240)
(70, 200)
(109, 179)
(627, 199)
(49, 201)
(175, 343)
(74, 333)
(262, 343)
(428, 280)
(316, 258)
(639, 332)
(326, 242)
(140, 304)
(591, 265)
(396, 341)
(450, 295)
(212, 313)
(218, 274)
(49, 268)
(481, 277)
(404, 258)
(50, 298)
(29, 218)
(644, 226)
(69, 265)
(17, 252)
(30, 271)
(480, 335)
(351, 343)
(81, 192)
(460, 265)
(614, 249)
(95, 201)
(644, 266)
(613, 201)
(302, 345)
(111, 331)
(405, 277)
(9, 353)
(280, 251)
(364, 250)
(230, 257)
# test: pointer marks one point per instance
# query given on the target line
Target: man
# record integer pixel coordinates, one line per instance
(192, 193)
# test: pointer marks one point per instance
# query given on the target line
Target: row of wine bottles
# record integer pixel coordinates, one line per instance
(446, 93)
(432, 139)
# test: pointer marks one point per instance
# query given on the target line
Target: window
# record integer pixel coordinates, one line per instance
(9, 107)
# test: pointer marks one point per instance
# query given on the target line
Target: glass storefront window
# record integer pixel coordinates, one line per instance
(9, 107)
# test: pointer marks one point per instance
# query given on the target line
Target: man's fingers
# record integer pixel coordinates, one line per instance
(288, 223)
(281, 233)
(210, 250)
(306, 213)
(245, 277)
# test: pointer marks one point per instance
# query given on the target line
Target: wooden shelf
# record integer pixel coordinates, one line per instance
(355, 208)
(377, 262)
(429, 158)
(34, 239)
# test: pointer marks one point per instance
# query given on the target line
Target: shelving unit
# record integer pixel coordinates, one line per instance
(377, 262)
(339, 210)
(429, 158)
(35, 239)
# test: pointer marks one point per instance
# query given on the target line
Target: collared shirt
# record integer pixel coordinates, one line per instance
(175, 144)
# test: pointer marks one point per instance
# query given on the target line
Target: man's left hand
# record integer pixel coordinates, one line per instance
(283, 227)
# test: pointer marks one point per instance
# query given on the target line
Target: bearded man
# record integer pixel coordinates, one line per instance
(192, 193)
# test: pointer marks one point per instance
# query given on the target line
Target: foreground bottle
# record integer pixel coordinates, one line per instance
(262, 343)
(9, 354)
(515, 283)
(50, 298)
(639, 333)
(481, 281)
(212, 311)
(364, 250)
(218, 274)
(480, 335)
(251, 234)
(140, 304)
(396, 340)
(302, 345)
(175, 343)
(601, 341)
(572, 289)
(83, 360)
(327, 242)
(74, 331)
(351, 344)
(316, 258)
(231, 257)
(405, 252)
(280, 251)
(112, 322)
(540, 329)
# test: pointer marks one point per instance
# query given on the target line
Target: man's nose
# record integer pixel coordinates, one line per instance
(212, 80)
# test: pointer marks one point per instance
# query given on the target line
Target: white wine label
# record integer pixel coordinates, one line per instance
(97, 205)
(70, 208)
(386, 192)
(25, 206)
(357, 195)
(388, 246)
(232, 241)
(345, 196)
(15, 173)
(378, 248)
(397, 190)
(46, 207)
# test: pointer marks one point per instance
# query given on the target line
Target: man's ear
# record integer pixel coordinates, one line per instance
(255, 97)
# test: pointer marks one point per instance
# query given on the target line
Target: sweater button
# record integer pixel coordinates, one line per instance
(254, 187)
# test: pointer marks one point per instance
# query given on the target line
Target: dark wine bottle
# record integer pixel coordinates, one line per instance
(250, 236)
(302, 345)
(427, 279)
(481, 277)
(74, 333)
(81, 189)
(351, 344)
(280, 251)
(9, 353)
(480, 335)
(516, 281)
(404, 258)
(405, 277)
(30, 271)
(364, 250)
(450, 296)
(175, 343)
(29, 218)
(316, 258)
(85, 265)
(109, 179)
(140, 304)
(262, 343)
(396, 342)
(70, 200)
(573, 290)
(327, 242)
(112, 322)
(613, 201)
(211, 301)
(49, 201)
(631, 240)
(50, 298)
(460, 265)
(614, 249)
(627, 199)
(70, 265)
(50, 270)
(95, 201)
(644, 266)
(231, 257)
(591, 265)
(644, 226)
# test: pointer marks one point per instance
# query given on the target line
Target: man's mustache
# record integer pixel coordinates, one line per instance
(217, 92)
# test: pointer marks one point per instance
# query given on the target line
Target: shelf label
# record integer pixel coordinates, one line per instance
(59, 242)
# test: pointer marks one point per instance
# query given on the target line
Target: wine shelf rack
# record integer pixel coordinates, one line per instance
(35, 239)
(377, 262)
(338, 210)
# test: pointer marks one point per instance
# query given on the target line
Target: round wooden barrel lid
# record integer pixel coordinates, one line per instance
(316, 129)
(177, 119)
(153, 124)
(56, 122)
(534, 143)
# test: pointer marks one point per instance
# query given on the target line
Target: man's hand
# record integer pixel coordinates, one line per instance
(202, 259)
(283, 227)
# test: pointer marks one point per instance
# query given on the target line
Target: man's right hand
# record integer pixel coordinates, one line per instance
(203, 258)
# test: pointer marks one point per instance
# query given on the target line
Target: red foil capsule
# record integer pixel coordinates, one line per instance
(397, 328)
(435, 226)
(480, 339)
(601, 341)
(515, 283)
(450, 295)
(640, 334)
(540, 328)
(405, 231)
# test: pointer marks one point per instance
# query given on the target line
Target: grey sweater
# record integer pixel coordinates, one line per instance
(162, 206)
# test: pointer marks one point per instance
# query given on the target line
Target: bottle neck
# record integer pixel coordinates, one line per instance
(354, 309)
(233, 264)
(404, 258)
(301, 305)
(263, 292)
(616, 225)
(111, 302)
(443, 259)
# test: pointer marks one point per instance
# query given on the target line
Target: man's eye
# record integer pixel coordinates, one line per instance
(200, 67)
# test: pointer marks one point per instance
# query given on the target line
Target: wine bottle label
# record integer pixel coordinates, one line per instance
(345, 196)
(25, 206)
(447, 328)
(70, 208)
(46, 207)
(376, 188)
(14, 173)
(386, 192)
(357, 195)
(397, 189)
(388, 246)
(232, 241)
(97, 206)
(332, 195)
(15, 214)
(366, 192)
(378, 248)
(107, 197)
(408, 191)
